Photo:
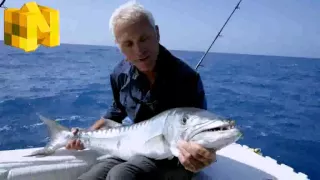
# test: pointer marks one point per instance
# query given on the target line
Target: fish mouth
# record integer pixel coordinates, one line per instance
(226, 126)
(221, 128)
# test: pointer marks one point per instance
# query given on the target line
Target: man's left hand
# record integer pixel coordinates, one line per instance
(194, 157)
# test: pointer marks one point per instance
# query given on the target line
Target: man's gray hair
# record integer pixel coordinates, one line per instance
(129, 12)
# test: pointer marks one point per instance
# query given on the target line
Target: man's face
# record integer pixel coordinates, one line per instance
(139, 42)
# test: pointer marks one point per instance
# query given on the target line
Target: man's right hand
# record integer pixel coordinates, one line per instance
(75, 144)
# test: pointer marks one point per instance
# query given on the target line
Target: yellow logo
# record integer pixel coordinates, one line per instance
(30, 26)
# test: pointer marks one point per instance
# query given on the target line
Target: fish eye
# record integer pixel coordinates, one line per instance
(184, 120)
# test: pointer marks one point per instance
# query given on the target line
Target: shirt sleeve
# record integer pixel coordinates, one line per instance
(199, 98)
(192, 93)
(115, 111)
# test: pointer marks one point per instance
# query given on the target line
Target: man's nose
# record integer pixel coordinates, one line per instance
(139, 49)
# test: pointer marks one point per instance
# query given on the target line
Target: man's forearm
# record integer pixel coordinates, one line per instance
(98, 124)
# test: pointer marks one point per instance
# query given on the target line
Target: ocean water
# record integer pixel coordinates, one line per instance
(274, 100)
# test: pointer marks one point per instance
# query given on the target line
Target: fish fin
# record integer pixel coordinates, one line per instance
(110, 123)
(155, 141)
(54, 127)
(162, 147)
(58, 137)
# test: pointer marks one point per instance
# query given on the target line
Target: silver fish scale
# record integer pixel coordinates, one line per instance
(116, 140)
(114, 131)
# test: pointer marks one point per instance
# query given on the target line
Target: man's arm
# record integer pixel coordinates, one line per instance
(116, 111)
(97, 125)
(113, 113)
(194, 92)
(200, 99)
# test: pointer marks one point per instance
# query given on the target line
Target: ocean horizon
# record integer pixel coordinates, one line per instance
(275, 100)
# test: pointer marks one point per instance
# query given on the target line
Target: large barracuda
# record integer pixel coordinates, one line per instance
(156, 138)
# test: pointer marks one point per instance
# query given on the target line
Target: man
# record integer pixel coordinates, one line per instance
(149, 81)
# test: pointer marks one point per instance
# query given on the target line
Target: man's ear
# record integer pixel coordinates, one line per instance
(158, 34)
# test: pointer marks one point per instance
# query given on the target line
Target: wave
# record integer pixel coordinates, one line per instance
(7, 128)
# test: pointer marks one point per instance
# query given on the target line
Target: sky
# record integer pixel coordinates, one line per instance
(265, 27)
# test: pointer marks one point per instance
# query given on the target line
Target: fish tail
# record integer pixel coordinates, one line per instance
(59, 137)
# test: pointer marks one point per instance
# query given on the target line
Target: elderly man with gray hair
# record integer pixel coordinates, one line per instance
(148, 81)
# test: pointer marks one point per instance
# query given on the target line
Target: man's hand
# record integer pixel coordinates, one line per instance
(194, 157)
(75, 144)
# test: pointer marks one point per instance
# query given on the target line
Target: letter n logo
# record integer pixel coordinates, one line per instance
(31, 26)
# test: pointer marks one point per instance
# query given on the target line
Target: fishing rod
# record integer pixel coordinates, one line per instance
(237, 7)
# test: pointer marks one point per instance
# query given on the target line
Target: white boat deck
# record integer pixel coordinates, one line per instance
(233, 162)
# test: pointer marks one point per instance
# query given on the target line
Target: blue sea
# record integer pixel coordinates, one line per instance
(274, 100)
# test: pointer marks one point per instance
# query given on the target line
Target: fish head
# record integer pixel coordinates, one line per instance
(199, 126)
